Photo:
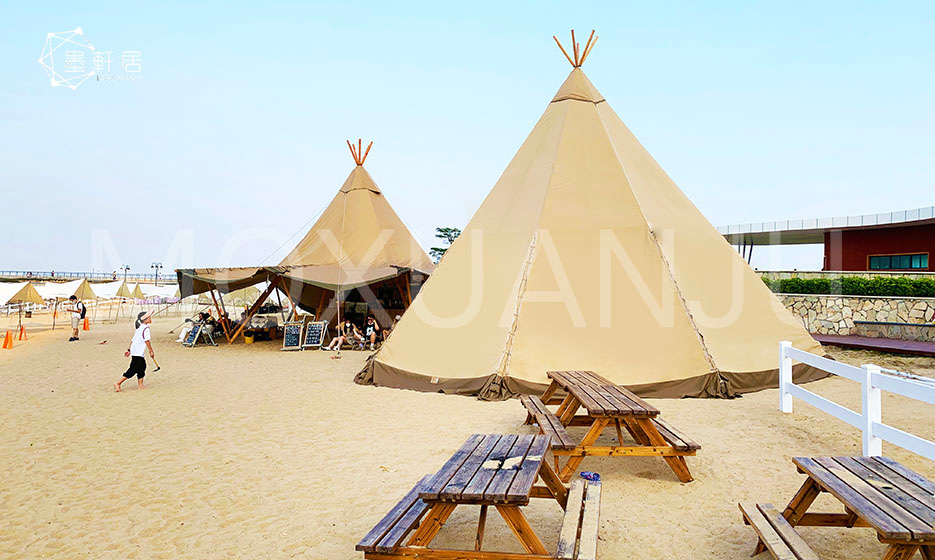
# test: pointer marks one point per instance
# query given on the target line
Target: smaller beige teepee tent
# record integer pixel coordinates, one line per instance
(358, 257)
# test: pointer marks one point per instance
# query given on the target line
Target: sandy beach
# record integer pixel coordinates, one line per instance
(245, 451)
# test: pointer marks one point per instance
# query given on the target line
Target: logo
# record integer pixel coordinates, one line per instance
(69, 59)
(63, 58)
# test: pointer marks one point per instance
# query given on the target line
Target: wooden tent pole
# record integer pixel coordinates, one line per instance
(586, 45)
(281, 312)
(408, 289)
(218, 309)
(559, 43)
(364, 158)
(256, 305)
(588, 51)
(295, 313)
(321, 304)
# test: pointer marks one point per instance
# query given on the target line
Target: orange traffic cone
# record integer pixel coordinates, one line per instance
(86, 326)
(22, 332)
(8, 341)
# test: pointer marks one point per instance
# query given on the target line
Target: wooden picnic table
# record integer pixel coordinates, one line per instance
(607, 404)
(488, 470)
(876, 492)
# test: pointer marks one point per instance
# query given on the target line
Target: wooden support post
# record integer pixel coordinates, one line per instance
(408, 288)
(253, 309)
(517, 522)
(572, 464)
(677, 464)
(432, 523)
(900, 551)
(223, 324)
(295, 312)
(481, 522)
(322, 302)
(802, 500)
(554, 484)
(797, 507)
(619, 432)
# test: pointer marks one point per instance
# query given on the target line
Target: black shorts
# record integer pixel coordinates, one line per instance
(137, 367)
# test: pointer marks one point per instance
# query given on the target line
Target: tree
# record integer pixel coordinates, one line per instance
(448, 236)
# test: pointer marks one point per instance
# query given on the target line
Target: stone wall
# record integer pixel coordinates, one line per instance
(901, 331)
(831, 314)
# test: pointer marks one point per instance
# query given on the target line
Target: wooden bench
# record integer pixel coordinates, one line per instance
(775, 533)
(388, 534)
(578, 539)
(549, 424)
(674, 437)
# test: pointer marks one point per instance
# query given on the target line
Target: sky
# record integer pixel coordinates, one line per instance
(230, 139)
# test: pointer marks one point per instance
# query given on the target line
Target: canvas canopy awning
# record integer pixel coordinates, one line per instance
(111, 290)
(194, 281)
(151, 290)
(136, 292)
(20, 292)
(64, 290)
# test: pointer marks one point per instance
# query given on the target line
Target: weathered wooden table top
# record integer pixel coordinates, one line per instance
(490, 469)
(896, 501)
(602, 397)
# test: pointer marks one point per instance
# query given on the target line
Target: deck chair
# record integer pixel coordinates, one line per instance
(207, 334)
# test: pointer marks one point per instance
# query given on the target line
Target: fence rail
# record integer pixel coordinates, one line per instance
(873, 381)
(169, 278)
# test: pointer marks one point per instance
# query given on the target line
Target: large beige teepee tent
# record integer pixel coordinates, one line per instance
(586, 255)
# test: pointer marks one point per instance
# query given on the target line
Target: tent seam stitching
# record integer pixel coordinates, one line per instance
(665, 261)
(507, 354)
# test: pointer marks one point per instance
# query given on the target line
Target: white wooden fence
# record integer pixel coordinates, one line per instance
(873, 380)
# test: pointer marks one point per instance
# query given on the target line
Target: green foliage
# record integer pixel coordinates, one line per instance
(448, 236)
(855, 286)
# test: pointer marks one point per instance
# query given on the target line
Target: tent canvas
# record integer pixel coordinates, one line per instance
(164, 291)
(585, 255)
(136, 292)
(111, 290)
(20, 292)
(63, 290)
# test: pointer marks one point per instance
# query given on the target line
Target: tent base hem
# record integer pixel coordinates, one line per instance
(497, 388)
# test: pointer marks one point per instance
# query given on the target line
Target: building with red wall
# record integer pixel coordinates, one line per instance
(901, 247)
(901, 241)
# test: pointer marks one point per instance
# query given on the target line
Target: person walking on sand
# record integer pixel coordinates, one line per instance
(138, 346)
(78, 312)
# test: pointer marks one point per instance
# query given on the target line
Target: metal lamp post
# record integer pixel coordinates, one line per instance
(156, 266)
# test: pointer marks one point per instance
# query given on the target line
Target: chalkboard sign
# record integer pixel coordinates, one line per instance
(315, 334)
(192, 338)
(292, 336)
